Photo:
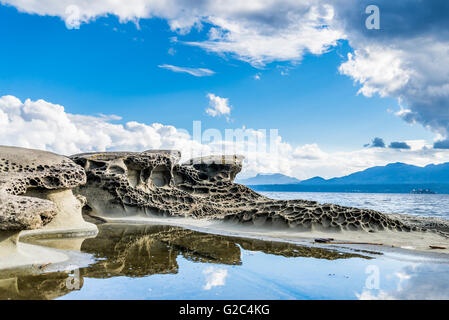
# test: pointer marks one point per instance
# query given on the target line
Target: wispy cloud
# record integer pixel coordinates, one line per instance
(197, 72)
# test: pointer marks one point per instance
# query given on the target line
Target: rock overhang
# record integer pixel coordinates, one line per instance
(22, 170)
(203, 187)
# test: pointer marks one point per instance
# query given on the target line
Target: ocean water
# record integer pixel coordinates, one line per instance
(166, 262)
(425, 205)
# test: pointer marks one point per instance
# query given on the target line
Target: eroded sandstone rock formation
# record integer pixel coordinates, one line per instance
(154, 182)
(36, 194)
(26, 178)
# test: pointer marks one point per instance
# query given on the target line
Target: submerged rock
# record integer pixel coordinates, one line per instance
(153, 182)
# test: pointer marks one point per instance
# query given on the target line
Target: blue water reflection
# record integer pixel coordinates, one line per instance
(162, 262)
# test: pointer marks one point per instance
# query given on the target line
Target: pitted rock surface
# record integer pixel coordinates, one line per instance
(153, 182)
(24, 169)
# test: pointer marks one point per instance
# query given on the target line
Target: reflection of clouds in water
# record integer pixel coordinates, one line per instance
(403, 277)
(373, 295)
(415, 282)
(214, 277)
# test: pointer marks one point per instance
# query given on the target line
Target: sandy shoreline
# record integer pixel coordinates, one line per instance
(392, 241)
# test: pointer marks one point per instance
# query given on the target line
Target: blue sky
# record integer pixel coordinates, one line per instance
(108, 66)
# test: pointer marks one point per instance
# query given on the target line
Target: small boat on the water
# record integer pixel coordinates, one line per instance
(422, 191)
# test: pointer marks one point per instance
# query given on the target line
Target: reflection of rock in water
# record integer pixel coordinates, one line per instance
(32, 287)
(291, 250)
(136, 250)
(139, 250)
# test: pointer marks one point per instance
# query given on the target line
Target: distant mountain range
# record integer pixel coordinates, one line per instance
(394, 177)
(393, 173)
(275, 178)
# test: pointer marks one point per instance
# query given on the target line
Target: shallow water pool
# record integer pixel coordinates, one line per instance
(166, 262)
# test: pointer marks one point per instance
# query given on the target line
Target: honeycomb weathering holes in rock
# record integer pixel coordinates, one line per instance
(156, 183)
(22, 170)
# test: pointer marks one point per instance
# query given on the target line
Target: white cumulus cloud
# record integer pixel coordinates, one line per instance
(218, 106)
(407, 59)
(43, 125)
(272, 31)
(257, 31)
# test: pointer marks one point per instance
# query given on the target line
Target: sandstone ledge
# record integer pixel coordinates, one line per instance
(127, 184)
(43, 194)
